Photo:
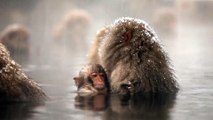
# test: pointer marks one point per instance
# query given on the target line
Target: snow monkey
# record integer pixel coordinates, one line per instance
(92, 80)
(14, 84)
(134, 60)
(16, 39)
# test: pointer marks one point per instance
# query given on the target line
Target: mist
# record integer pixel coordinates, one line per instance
(61, 34)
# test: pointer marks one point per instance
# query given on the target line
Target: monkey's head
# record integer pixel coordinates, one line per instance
(129, 37)
(92, 80)
(15, 37)
(129, 41)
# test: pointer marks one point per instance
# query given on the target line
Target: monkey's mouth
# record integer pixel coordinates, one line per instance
(99, 86)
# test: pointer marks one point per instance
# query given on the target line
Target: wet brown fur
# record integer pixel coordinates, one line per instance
(132, 56)
(14, 84)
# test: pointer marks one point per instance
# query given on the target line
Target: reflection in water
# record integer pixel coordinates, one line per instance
(54, 67)
(18, 111)
(147, 107)
(95, 103)
(153, 107)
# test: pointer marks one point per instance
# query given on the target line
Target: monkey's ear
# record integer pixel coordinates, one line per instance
(77, 81)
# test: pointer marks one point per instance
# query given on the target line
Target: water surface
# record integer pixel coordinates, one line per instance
(54, 67)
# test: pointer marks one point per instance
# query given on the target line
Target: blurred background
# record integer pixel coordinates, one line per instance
(50, 39)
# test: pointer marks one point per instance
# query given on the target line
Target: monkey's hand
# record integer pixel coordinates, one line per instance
(125, 91)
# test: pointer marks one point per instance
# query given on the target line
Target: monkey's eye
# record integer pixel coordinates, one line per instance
(94, 74)
(101, 74)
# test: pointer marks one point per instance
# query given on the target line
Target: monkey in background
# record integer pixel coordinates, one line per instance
(14, 84)
(133, 58)
(93, 57)
(70, 35)
(16, 39)
(92, 80)
(165, 22)
(71, 31)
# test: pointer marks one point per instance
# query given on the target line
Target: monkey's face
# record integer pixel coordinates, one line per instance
(92, 80)
(16, 38)
(98, 80)
(91, 85)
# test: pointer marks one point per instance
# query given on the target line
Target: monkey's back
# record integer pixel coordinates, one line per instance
(131, 54)
(14, 84)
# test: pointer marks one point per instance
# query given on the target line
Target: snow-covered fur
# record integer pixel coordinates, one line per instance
(14, 84)
(134, 59)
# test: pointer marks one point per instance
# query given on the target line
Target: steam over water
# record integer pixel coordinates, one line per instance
(58, 51)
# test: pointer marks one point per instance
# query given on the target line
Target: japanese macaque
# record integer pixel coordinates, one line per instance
(73, 28)
(14, 84)
(16, 39)
(134, 60)
(186, 9)
(165, 22)
(92, 80)
(197, 12)
(93, 57)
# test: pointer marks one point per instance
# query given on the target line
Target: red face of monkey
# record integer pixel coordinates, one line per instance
(92, 80)
(98, 80)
